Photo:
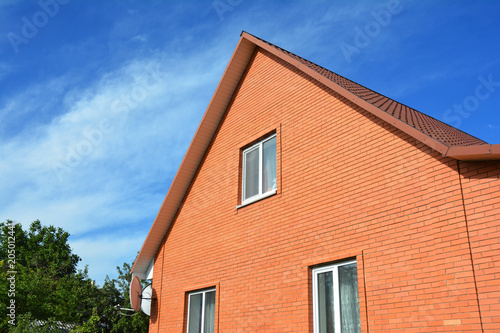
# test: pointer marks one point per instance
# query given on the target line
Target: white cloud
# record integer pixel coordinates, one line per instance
(140, 38)
(106, 252)
(31, 107)
(5, 69)
(105, 161)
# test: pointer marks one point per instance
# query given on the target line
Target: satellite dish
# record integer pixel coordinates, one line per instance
(135, 293)
(147, 295)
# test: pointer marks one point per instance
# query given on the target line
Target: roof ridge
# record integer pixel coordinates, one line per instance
(432, 127)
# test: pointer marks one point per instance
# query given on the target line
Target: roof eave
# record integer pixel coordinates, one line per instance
(475, 153)
(202, 138)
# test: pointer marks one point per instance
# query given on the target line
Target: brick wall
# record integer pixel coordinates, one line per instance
(349, 186)
(481, 191)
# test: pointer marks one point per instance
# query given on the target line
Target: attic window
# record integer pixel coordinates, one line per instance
(259, 170)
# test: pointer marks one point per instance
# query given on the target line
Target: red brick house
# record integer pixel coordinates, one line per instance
(307, 202)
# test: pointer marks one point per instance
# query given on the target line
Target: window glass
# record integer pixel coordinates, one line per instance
(209, 312)
(252, 173)
(325, 302)
(349, 300)
(269, 165)
(195, 306)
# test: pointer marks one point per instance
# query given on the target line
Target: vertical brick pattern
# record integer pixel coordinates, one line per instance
(349, 183)
(481, 191)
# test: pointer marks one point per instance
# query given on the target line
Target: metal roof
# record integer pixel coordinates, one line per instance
(432, 127)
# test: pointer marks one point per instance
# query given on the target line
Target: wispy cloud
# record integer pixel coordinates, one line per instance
(140, 38)
(32, 107)
(106, 159)
(117, 248)
(5, 69)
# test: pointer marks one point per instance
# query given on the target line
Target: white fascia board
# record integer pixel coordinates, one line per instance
(149, 274)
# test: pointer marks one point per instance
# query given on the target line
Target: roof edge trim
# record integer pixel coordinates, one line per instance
(475, 153)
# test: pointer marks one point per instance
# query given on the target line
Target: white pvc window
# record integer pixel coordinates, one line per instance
(201, 312)
(336, 299)
(259, 170)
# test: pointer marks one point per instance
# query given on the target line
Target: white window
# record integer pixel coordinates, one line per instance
(259, 170)
(201, 311)
(336, 299)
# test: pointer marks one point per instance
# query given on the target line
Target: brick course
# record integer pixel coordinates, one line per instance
(349, 186)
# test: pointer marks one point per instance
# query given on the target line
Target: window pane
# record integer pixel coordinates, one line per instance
(349, 299)
(325, 303)
(269, 165)
(251, 173)
(209, 312)
(194, 320)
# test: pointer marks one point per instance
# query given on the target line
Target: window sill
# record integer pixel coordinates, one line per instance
(256, 198)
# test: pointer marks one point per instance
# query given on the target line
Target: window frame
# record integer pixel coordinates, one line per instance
(204, 292)
(260, 195)
(336, 293)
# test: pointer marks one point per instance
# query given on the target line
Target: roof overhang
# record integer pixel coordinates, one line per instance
(475, 153)
(214, 113)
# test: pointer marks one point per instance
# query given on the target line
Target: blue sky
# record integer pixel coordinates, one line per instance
(99, 100)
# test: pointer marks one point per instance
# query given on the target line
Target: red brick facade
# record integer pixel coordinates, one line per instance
(481, 193)
(423, 228)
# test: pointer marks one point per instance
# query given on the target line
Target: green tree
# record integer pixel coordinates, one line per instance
(138, 322)
(47, 284)
(50, 291)
(115, 295)
(91, 326)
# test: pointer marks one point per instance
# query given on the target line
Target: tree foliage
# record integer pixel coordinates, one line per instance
(50, 290)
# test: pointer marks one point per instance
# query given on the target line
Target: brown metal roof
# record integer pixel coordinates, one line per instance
(436, 129)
